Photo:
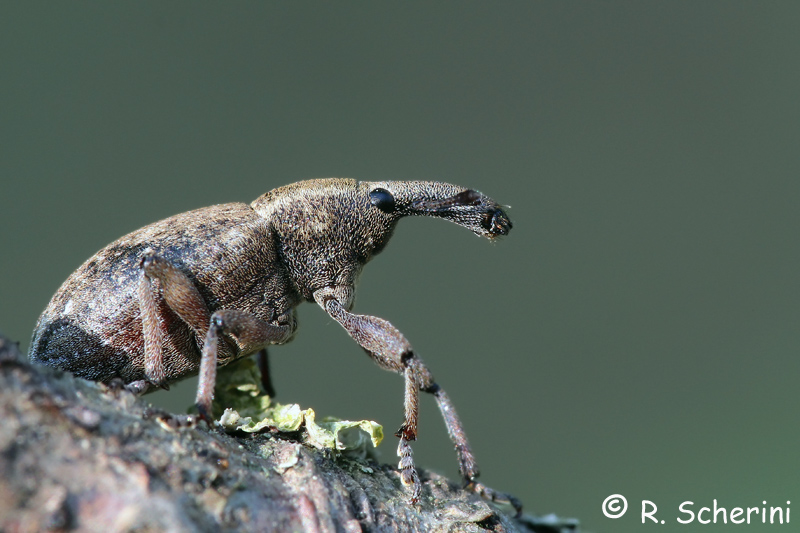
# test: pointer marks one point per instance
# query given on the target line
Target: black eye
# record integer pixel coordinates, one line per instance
(382, 199)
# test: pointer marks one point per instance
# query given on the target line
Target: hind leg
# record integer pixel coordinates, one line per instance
(182, 297)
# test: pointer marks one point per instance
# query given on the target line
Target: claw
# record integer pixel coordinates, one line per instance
(496, 497)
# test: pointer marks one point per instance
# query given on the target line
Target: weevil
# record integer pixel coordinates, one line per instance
(201, 289)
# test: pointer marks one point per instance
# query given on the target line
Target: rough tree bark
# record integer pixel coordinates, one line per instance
(80, 456)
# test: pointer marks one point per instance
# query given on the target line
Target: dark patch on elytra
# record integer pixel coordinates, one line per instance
(65, 345)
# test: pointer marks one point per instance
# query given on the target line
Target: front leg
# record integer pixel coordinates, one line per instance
(391, 351)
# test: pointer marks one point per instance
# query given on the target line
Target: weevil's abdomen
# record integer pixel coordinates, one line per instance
(92, 325)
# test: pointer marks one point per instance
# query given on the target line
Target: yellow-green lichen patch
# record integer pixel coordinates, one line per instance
(241, 406)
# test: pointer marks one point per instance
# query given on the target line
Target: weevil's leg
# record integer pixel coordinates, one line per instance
(181, 295)
(390, 349)
(495, 496)
(152, 330)
(263, 366)
(245, 330)
(466, 459)
(138, 387)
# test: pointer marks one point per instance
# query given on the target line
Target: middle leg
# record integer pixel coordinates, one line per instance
(246, 330)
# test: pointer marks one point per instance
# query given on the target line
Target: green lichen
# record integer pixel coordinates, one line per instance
(241, 406)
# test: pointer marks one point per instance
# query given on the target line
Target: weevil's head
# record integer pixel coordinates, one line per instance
(328, 229)
(466, 207)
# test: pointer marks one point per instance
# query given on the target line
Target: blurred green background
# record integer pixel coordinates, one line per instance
(637, 333)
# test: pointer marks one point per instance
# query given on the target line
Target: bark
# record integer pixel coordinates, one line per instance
(80, 456)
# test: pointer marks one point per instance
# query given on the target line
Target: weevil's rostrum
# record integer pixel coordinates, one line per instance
(204, 288)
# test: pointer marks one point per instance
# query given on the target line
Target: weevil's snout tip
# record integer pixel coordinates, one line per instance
(496, 222)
